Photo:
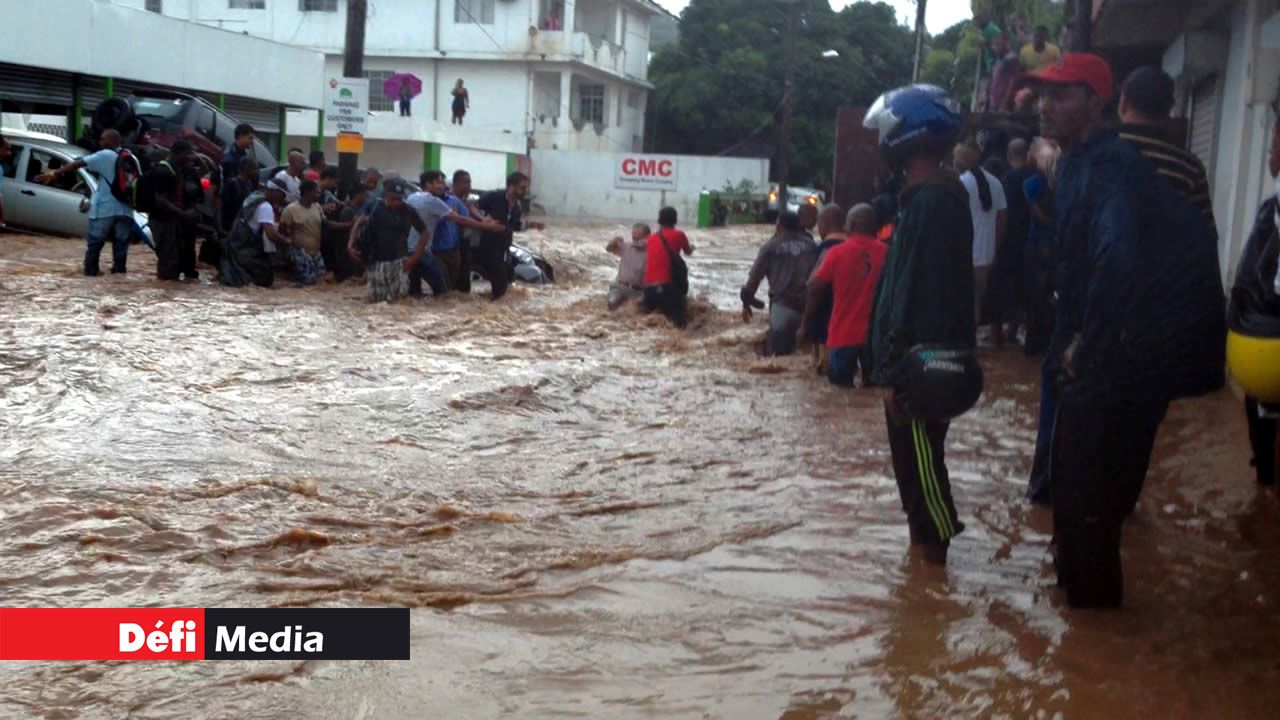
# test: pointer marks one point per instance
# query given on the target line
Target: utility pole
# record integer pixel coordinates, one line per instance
(915, 67)
(352, 67)
(788, 96)
(1081, 33)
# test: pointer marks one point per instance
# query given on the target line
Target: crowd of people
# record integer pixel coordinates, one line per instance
(1093, 241)
(1096, 235)
(294, 224)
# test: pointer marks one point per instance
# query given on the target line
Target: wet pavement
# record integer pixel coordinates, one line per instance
(593, 515)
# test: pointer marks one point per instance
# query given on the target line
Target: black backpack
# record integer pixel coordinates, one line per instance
(679, 270)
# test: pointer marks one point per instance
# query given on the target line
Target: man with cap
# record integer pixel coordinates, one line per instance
(1135, 323)
(385, 234)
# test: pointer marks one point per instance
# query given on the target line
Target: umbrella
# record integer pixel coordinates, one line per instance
(391, 88)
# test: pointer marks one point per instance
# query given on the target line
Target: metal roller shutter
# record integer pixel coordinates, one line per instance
(20, 83)
(263, 116)
(1204, 123)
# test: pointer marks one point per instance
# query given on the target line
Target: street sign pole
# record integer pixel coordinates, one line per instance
(352, 67)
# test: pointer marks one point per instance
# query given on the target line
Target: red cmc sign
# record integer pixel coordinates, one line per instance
(646, 172)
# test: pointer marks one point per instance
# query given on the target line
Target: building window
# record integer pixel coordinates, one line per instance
(473, 11)
(155, 6)
(591, 104)
(378, 101)
(551, 18)
(318, 5)
(247, 4)
(633, 99)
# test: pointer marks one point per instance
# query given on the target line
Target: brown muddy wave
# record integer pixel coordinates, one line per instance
(592, 514)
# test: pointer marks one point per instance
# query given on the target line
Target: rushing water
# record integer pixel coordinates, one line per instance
(593, 516)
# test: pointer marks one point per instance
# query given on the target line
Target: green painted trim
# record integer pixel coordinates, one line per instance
(431, 156)
(109, 87)
(512, 163)
(222, 101)
(284, 134)
(77, 112)
(317, 142)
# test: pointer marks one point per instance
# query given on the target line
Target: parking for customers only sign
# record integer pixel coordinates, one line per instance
(645, 172)
(346, 107)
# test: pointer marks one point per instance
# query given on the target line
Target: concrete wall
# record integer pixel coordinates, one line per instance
(99, 38)
(581, 184)
(1240, 180)
(488, 169)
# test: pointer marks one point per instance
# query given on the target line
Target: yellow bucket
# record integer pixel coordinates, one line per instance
(1255, 365)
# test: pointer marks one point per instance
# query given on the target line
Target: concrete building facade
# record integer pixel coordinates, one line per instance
(548, 74)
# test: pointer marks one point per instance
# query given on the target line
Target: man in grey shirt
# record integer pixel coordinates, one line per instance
(786, 260)
(629, 284)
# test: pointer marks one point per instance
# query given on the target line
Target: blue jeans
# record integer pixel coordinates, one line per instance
(119, 230)
(843, 363)
(428, 270)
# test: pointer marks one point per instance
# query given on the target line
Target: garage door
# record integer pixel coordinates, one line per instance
(19, 83)
(1204, 123)
(263, 116)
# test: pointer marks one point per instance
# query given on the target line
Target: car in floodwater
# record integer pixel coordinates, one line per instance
(796, 197)
(62, 206)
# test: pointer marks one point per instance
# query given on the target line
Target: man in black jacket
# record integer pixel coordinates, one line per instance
(504, 207)
(924, 297)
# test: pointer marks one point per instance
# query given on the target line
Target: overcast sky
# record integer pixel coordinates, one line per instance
(940, 14)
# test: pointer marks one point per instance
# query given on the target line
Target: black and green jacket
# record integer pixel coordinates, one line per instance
(925, 292)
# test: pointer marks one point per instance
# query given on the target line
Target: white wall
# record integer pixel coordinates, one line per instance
(581, 184)
(1243, 134)
(636, 43)
(100, 38)
(488, 169)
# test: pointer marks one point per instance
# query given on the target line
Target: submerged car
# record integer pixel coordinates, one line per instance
(523, 264)
(60, 207)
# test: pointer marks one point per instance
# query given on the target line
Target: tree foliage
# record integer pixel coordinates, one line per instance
(720, 89)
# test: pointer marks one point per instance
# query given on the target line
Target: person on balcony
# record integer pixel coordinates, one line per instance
(461, 102)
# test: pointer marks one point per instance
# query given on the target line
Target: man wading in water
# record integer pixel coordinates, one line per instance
(923, 319)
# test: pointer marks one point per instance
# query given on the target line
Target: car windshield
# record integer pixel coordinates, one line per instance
(160, 114)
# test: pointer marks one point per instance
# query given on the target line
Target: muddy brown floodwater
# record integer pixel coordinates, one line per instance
(592, 516)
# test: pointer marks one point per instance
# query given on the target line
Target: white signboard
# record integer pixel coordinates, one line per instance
(346, 107)
(645, 172)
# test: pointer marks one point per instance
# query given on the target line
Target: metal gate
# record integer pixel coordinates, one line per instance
(1204, 123)
(22, 84)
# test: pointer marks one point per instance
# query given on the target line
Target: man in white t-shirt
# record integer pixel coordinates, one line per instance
(291, 176)
(264, 221)
(987, 207)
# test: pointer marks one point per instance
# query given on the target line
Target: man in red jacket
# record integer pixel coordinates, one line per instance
(666, 279)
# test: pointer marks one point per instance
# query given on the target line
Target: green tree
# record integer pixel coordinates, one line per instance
(720, 88)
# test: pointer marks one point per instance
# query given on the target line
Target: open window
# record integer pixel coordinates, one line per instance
(551, 16)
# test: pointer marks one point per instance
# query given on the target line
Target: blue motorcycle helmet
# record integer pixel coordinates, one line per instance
(915, 119)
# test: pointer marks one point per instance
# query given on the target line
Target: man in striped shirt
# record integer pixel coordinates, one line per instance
(1145, 102)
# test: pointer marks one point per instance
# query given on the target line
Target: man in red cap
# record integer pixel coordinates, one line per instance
(1138, 291)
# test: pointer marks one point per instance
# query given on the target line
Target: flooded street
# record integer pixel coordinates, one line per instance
(593, 516)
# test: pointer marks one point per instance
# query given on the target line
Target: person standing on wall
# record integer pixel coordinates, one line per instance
(461, 102)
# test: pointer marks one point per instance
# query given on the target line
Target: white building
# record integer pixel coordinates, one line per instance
(1225, 57)
(97, 54)
(578, 83)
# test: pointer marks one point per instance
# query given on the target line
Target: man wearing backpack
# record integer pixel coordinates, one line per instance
(666, 277)
(109, 218)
